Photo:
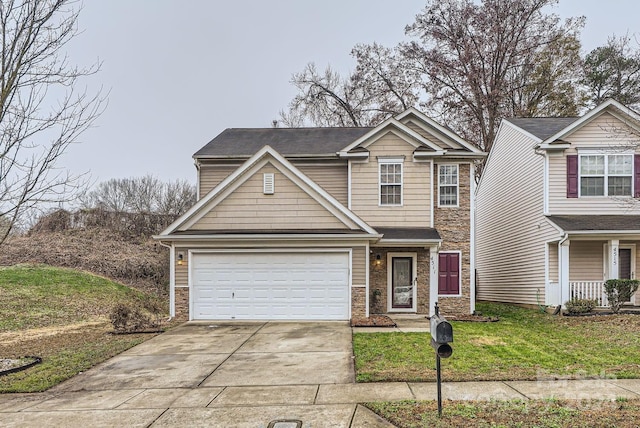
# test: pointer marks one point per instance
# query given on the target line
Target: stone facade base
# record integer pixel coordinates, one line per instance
(358, 302)
(182, 303)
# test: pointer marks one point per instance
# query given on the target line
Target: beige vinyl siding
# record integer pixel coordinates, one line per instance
(585, 261)
(603, 132)
(359, 266)
(553, 262)
(212, 174)
(448, 145)
(247, 208)
(511, 232)
(415, 209)
(332, 177)
(182, 271)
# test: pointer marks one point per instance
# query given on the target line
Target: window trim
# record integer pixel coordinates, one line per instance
(388, 161)
(457, 205)
(606, 175)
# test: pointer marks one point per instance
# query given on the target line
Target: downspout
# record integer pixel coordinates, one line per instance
(171, 276)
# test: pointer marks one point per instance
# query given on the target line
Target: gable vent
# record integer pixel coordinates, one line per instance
(269, 185)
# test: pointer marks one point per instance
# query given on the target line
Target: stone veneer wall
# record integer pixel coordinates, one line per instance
(378, 279)
(182, 303)
(358, 302)
(454, 226)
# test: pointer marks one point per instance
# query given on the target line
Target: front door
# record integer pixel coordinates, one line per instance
(402, 283)
(625, 263)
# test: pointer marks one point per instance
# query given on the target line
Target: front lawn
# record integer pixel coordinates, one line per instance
(524, 414)
(524, 345)
(60, 315)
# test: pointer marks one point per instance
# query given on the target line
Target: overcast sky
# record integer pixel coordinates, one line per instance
(180, 72)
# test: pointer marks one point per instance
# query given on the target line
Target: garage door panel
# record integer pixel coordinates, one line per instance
(266, 285)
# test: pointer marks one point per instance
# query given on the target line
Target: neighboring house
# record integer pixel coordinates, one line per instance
(557, 207)
(327, 223)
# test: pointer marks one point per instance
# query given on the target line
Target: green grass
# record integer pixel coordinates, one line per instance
(41, 296)
(533, 413)
(524, 345)
(60, 315)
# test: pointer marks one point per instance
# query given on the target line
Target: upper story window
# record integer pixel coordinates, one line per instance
(606, 175)
(448, 185)
(390, 181)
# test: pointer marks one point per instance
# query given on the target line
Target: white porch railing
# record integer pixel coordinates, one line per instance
(589, 290)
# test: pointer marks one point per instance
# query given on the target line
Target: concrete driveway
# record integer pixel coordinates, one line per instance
(210, 374)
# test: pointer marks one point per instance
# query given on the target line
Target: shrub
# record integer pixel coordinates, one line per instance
(580, 306)
(620, 291)
(125, 318)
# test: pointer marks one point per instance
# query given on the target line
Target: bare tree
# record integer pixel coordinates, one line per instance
(141, 195)
(325, 99)
(42, 109)
(500, 58)
(613, 71)
(467, 63)
(176, 198)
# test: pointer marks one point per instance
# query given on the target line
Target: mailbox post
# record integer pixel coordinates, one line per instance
(441, 337)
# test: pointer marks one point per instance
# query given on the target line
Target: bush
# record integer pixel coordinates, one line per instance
(580, 306)
(125, 318)
(620, 291)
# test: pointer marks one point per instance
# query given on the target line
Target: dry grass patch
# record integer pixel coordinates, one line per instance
(523, 414)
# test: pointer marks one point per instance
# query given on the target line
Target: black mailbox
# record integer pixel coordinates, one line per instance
(441, 330)
(443, 350)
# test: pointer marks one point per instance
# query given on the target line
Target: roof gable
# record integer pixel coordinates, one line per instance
(401, 130)
(613, 107)
(265, 156)
(438, 131)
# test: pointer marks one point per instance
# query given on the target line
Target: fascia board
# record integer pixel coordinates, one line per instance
(269, 236)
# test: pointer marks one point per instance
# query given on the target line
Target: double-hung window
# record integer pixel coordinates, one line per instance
(606, 175)
(448, 185)
(390, 181)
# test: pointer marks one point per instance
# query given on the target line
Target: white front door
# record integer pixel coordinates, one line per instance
(401, 282)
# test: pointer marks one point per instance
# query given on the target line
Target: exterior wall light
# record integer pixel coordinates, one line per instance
(180, 259)
(378, 259)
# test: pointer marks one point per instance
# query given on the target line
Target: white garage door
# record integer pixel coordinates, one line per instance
(270, 286)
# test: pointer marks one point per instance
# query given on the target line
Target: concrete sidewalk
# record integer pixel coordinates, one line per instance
(252, 375)
(321, 405)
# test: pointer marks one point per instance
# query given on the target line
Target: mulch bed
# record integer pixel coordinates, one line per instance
(472, 318)
(373, 321)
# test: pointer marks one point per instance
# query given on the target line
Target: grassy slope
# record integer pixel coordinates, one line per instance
(523, 345)
(60, 315)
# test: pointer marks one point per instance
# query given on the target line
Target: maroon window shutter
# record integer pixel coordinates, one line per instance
(572, 176)
(636, 175)
(448, 273)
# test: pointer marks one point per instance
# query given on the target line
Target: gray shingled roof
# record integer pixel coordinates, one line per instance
(286, 141)
(580, 223)
(543, 127)
(418, 233)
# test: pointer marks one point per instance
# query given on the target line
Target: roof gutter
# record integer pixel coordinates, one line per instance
(269, 237)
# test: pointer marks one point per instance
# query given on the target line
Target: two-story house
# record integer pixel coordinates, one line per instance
(327, 223)
(557, 207)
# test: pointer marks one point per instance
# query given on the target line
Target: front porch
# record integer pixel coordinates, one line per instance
(578, 268)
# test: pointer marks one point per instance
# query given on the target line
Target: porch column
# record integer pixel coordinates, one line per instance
(565, 291)
(433, 279)
(614, 271)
